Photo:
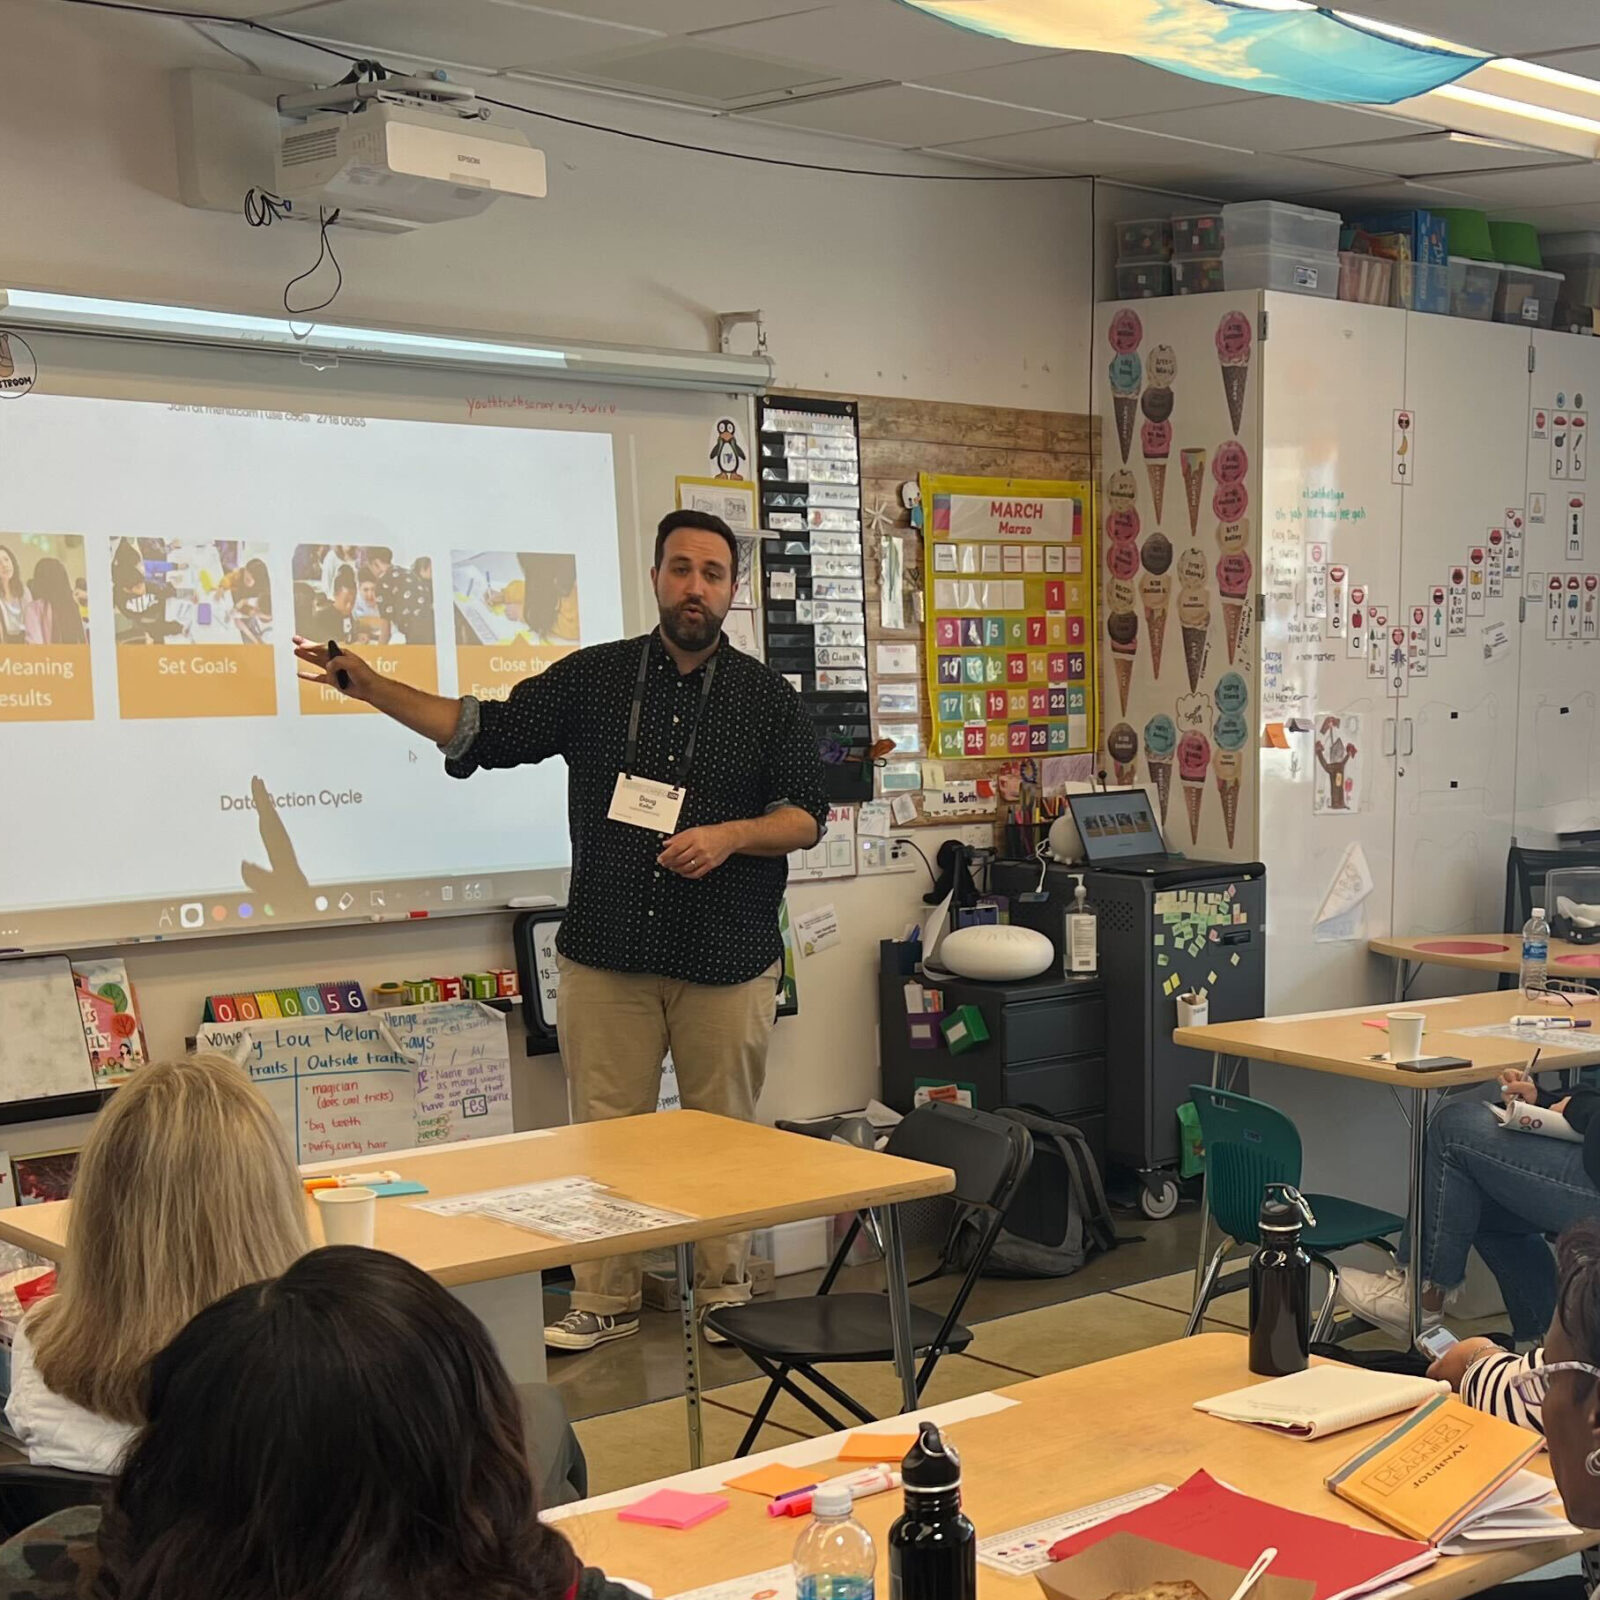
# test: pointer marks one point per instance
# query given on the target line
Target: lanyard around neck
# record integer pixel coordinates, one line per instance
(631, 755)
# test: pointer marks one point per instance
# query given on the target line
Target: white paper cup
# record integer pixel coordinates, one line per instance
(1193, 1014)
(1405, 1035)
(349, 1216)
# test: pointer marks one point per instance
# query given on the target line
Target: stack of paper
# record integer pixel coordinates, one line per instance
(1525, 1510)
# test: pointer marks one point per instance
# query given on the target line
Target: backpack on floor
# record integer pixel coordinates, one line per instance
(1060, 1216)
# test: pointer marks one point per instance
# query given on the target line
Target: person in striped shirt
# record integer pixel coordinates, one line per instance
(1553, 1390)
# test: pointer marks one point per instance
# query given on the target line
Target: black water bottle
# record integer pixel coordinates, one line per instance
(933, 1549)
(1280, 1286)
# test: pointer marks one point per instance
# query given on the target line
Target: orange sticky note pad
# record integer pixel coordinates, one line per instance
(888, 1447)
(774, 1480)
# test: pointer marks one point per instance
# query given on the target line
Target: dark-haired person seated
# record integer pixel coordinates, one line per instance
(344, 1432)
(1554, 1390)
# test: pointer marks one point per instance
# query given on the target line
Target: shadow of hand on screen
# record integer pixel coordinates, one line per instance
(280, 884)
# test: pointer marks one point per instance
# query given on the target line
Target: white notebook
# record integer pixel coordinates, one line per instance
(1523, 1118)
(1323, 1399)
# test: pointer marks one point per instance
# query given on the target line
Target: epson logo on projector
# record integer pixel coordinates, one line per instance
(470, 161)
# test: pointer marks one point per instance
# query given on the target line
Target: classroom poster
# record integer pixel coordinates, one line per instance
(1009, 575)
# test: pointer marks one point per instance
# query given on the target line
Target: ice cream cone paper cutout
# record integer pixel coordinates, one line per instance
(1193, 464)
(1157, 472)
(1232, 626)
(1124, 680)
(1234, 380)
(1194, 653)
(1126, 407)
(1161, 775)
(1193, 795)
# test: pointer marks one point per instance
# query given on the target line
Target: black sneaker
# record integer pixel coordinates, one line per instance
(583, 1330)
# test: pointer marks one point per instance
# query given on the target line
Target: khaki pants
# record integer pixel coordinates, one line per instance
(615, 1029)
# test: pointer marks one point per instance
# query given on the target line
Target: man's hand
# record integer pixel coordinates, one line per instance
(1452, 1365)
(347, 672)
(698, 851)
(1516, 1085)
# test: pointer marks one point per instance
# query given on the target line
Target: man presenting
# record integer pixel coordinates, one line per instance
(693, 771)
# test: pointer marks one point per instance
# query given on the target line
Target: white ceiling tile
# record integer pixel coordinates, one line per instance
(1495, 25)
(871, 39)
(904, 115)
(1434, 154)
(1277, 125)
(677, 16)
(1577, 184)
(478, 33)
(1392, 194)
(698, 74)
(1089, 148)
(1226, 175)
(1085, 84)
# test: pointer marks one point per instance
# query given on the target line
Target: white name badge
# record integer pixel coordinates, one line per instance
(646, 804)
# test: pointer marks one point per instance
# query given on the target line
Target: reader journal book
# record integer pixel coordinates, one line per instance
(1323, 1399)
(1429, 1475)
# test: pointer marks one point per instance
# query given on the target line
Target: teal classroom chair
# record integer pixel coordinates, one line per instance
(1248, 1145)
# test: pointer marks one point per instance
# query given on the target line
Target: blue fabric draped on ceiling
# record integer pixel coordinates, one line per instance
(1309, 54)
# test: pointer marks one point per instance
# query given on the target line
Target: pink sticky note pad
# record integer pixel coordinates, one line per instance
(1376, 1022)
(672, 1508)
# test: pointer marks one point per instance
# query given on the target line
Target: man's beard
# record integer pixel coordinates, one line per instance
(690, 632)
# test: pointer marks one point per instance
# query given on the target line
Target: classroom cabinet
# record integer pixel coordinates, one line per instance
(1349, 609)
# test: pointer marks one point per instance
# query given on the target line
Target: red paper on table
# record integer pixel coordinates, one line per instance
(1209, 1519)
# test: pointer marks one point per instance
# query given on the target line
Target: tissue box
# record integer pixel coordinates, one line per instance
(1125, 1561)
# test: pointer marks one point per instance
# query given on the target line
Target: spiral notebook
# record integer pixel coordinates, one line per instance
(1323, 1399)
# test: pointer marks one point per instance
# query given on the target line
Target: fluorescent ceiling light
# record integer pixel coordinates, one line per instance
(666, 369)
(1519, 108)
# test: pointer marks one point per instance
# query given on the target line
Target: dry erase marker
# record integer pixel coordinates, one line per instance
(873, 1480)
(1551, 1022)
(341, 677)
(349, 1180)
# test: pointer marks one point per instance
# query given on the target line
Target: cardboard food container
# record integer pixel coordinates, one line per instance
(1125, 1562)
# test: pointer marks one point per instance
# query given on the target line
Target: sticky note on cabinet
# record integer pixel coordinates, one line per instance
(1234, 958)
(885, 1447)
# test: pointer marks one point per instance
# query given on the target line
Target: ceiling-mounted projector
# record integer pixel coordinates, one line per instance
(395, 154)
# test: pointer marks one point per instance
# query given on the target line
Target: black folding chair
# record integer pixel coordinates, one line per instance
(787, 1339)
(28, 1494)
(1526, 872)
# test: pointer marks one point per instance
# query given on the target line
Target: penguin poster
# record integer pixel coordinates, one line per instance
(727, 454)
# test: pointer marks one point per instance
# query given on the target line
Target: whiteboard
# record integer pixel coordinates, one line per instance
(43, 1050)
(376, 1082)
(191, 462)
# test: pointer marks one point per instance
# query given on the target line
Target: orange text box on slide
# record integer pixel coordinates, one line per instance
(415, 664)
(196, 680)
(492, 671)
(45, 683)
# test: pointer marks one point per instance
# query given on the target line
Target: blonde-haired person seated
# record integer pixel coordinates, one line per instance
(186, 1190)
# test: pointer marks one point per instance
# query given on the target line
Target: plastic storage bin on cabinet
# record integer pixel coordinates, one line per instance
(1144, 239)
(1364, 279)
(1274, 224)
(1473, 286)
(1200, 234)
(1197, 274)
(1421, 286)
(1526, 297)
(1578, 256)
(1292, 271)
(1143, 280)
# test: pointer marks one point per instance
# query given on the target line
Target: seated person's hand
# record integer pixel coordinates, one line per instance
(1516, 1085)
(1452, 1365)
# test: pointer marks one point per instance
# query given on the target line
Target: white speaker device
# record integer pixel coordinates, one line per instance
(996, 953)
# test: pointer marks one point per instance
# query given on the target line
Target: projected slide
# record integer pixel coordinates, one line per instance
(167, 769)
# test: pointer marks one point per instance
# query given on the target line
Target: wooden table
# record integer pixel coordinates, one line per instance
(1069, 1440)
(1480, 952)
(727, 1176)
(1342, 1042)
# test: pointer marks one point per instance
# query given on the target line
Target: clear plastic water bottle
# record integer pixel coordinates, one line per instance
(834, 1558)
(1535, 950)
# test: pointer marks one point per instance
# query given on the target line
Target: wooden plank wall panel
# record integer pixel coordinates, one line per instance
(901, 439)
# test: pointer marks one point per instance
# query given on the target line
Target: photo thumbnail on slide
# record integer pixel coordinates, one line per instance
(45, 675)
(375, 599)
(194, 628)
(515, 613)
